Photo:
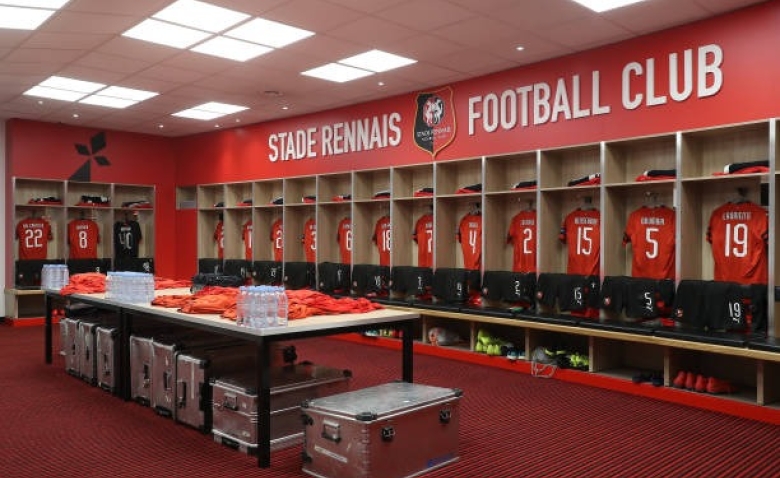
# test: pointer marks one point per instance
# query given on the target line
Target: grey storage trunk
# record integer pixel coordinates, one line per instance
(394, 430)
(141, 353)
(235, 404)
(107, 357)
(194, 372)
(86, 345)
(68, 332)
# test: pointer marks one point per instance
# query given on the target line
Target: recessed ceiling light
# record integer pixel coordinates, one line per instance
(71, 84)
(209, 111)
(200, 15)
(128, 93)
(107, 101)
(267, 32)
(163, 33)
(54, 93)
(381, 83)
(17, 18)
(285, 107)
(161, 126)
(50, 4)
(599, 6)
(231, 49)
(377, 61)
(75, 115)
(216, 125)
(519, 48)
(338, 73)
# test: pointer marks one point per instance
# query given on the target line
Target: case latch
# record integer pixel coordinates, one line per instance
(331, 431)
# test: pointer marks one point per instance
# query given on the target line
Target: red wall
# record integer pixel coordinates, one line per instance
(47, 151)
(749, 69)
(747, 39)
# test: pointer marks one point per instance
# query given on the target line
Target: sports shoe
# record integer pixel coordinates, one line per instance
(701, 383)
(680, 379)
(657, 379)
(716, 385)
(690, 381)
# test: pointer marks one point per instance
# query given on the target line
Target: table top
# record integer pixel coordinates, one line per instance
(298, 326)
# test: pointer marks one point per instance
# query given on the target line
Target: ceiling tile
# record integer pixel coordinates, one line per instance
(12, 38)
(66, 41)
(313, 15)
(44, 55)
(364, 6)
(169, 73)
(425, 16)
(586, 33)
(116, 63)
(78, 22)
(644, 18)
(478, 31)
(468, 60)
(137, 49)
(136, 7)
(372, 31)
(538, 15)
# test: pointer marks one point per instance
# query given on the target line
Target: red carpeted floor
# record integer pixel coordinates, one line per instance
(512, 425)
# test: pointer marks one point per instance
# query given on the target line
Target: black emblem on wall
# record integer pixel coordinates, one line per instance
(97, 144)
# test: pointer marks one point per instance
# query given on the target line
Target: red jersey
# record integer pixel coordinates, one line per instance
(650, 230)
(309, 240)
(277, 240)
(423, 236)
(581, 232)
(219, 239)
(738, 233)
(470, 238)
(246, 236)
(522, 235)
(381, 238)
(34, 234)
(344, 239)
(83, 238)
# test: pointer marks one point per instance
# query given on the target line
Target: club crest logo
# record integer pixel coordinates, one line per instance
(434, 123)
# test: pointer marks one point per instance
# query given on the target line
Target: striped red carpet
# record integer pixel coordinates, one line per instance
(512, 425)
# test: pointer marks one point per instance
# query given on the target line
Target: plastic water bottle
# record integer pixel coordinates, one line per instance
(270, 306)
(281, 307)
(240, 305)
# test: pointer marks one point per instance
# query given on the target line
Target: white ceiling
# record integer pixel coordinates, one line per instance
(452, 40)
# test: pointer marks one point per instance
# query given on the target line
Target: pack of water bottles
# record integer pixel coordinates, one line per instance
(261, 306)
(130, 287)
(54, 276)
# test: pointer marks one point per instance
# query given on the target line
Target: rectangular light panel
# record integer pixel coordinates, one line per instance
(377, 61)
(231, 49)
(163, 33)
(599, 6)
(70, 84)
(209, 111)
(337, 73)
(127, 93)
(267, 32)
(54, 93)
(200, 15)
(107, 101)
(16, 18)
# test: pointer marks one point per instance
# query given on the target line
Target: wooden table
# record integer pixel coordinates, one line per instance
(296, 329)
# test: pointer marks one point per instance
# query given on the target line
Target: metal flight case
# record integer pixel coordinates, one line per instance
(394, 430)
(235, 403)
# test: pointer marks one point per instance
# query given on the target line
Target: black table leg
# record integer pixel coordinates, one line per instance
(407, 351)
(47, 329)
(123, 342)
(264, 404)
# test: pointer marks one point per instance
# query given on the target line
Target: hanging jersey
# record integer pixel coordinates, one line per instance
(246, 236)
(344, 240)
(423, 236)
(310, 240)
(522, 236)
(34, 234)
(219, 239)
(381, 238)
(738, 233)
(127, 237)
(650, 230)
(277, 240)
(83, 239)
(470, 238)
(581, 232)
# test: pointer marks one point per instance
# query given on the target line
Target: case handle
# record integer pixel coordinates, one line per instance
(331, 431)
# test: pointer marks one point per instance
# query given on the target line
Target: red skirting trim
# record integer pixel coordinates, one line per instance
(704, 401)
